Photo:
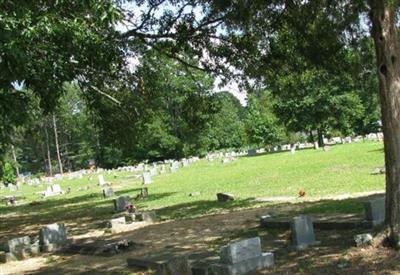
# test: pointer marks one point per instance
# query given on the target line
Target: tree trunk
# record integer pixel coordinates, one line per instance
(57, 146)
(320, 138)
(383, 17)
(50, 168)
(15, 160)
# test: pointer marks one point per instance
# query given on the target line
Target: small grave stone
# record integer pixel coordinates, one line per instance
(242, 257)
(302, 232)
(167, 265)
(153, 171)
(316, 145)
(375, 211)
(378, 171)
(56, 189)
(194, 194)
(144, 192)
(108, 192)
(223, 197)
(147, 178)
(53, 237)
(174, 166)
(293, 150)
(121, 203)
(251, 152)
(100, 180)
(363, 239)
(117, 221)
(240, 251)
(148, 216)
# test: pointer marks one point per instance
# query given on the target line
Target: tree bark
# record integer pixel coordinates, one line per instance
(320, 138)
(15, 160)
(50, 168)
(383, 17)
(57, 146)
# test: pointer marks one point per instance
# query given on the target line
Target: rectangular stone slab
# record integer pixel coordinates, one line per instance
(302, 231)
(169, 265)
(55, 233)
(240, 251)
(375, 210)
(17, 244)
(244, 267)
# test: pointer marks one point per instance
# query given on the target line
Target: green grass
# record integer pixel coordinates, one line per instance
(345, 169)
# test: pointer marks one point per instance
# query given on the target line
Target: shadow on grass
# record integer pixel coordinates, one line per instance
(83, 212)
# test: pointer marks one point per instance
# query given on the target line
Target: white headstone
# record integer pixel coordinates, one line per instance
(100, 180)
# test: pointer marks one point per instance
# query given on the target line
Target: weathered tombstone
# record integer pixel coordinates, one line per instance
(302, 232)
(293, 149)
(316, 145)
(18, 249)
(167, 265)
(56, 189)
(121, 203)
(100, 180)
(144, 192)
(52, 237)
(174, 166)
(153, 171)
(162, 169)
(147, 178)
(375, 211)
(115, 223)
(148, 216)
(242, 257)
(223, 197)
(251, 152)
(108, 192)
(363, 239)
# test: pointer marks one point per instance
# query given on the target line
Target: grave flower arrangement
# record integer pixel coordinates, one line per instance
(130, 208)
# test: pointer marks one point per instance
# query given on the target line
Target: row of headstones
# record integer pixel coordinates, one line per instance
(302, 229)
(241, 257)
(161, 169)
(52, 237)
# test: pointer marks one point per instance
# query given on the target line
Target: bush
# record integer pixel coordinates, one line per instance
(9, 174)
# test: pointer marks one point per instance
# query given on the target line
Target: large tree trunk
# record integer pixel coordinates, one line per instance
(383, 17)
(57, 145)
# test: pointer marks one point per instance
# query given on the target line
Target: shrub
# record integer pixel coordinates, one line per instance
(9, 174)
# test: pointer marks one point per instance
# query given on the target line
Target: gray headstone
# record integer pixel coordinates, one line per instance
(240, 251)
(55, 233)
(121, 203)
(244, 267)
(375, 211)
(251, 152)
(108, 192)
(17, 244)
(223, 197)
(302, 232)
(148, 216)
(144, 192)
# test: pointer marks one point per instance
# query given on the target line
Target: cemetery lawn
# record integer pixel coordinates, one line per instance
(345, 170)
(335, 184)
